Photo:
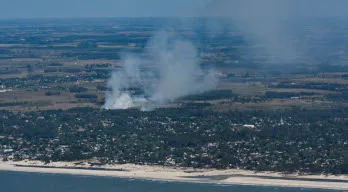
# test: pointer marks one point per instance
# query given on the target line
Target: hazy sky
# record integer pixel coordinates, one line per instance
(98, 8)
(155, 8)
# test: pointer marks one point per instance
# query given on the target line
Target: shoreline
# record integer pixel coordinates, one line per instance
(160, 173)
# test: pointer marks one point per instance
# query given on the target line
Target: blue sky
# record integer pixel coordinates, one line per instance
(98, 8)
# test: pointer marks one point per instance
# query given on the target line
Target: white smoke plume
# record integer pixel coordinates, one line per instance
(168, 70)
(275, 25)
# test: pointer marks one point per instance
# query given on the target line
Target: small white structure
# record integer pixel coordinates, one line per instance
(249, 126)
(8, 150)
(5, 90)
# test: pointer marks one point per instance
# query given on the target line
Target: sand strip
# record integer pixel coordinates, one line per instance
(226, 177)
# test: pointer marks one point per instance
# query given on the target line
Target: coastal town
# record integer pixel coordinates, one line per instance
(186, 137)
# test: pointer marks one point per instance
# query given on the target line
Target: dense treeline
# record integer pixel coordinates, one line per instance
(77, 89)
(51, 93)
(86, 96)
(62, 70)
(274, 94)
(211, 95)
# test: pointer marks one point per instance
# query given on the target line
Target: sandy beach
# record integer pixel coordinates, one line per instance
(234, 176)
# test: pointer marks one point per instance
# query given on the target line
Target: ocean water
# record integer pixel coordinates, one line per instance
(38, 182)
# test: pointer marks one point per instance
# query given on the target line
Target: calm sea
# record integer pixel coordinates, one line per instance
(37, 182)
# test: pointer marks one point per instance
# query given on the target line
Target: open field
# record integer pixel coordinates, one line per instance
(41, 66)
(298, 90)
(338, 80)
(276, 104)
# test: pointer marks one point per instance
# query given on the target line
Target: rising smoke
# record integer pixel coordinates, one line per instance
(169, 70)
(261, 22)
(280, 28)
